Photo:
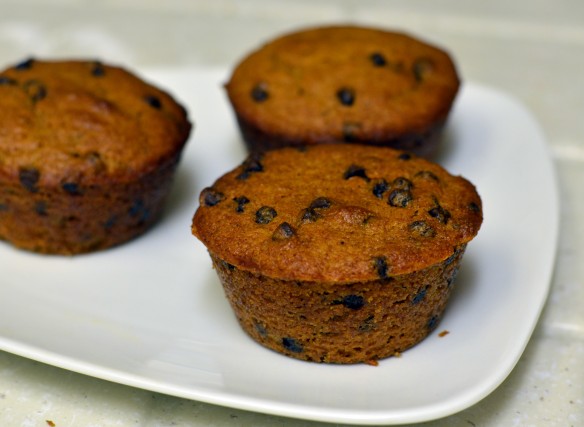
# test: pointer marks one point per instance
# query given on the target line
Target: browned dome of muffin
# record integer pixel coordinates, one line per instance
(333, 237)
(344, 83)
(87, 154)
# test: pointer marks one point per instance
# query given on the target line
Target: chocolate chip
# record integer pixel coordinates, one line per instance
(320, 203)
(404, 156)
(41, 208)
(25, 65)
(300, 148)
(367, 219)
(95, 161)
(136, 207)
(421, 68)
(251, 165)
(72, 188)
(29, 178)
(309, 215)
(210, 197)
(368, 324)
(378, 59)
(111, 221)
(380, 187)
(420, 296)
(35, 90)
(427, 175)
(351, 131)
(355, 170)
(3, 207)
(259, 92)
(226, 265)
(139, 210)
(153, 101)
(292, 345)
(283, 232)
(399, 198)
(346, 96)
(97, 69)
(265, 215)
(354, 302)
(312, 213)
(380, 265)
(401, 183)
(441, 214)
(241, 202)
(433, 322)
(7, 81)
(422, 228)
(73, 219)
(474, 207)
(261, 329)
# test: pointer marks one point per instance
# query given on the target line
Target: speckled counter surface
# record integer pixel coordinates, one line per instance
(533, 50)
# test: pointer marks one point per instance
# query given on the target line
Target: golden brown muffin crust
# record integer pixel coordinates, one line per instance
(83, 122)
(343, 83)
(363, 212)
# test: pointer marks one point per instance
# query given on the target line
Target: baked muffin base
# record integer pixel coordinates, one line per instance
(340, 323)
(85, 218)
(423, 143)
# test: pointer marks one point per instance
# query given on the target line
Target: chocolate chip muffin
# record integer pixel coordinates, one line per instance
(338, 253)
(87, 155)
(344, 84)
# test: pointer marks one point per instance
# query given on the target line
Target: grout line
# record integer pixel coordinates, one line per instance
(572, 330)
(489, 26)
(536, 31)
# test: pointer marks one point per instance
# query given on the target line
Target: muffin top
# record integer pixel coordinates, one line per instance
(336, 213)
(84, 122)
(344, 83)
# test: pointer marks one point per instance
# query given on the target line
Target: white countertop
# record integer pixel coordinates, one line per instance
(533, 50)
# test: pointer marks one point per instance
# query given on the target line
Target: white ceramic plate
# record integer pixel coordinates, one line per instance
(151, 313)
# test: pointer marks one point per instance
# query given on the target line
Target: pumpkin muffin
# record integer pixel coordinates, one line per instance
(344, 84)
(338, 253)
(87, 155)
